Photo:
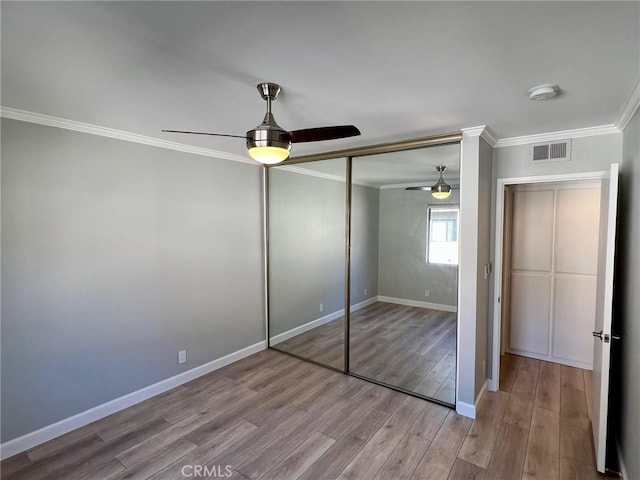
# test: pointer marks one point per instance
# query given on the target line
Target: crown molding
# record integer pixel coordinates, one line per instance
(630, 108)
(560, 135)
(31, 117)
(326, 176)
(312, 173)
(481, 131)
(405, 185)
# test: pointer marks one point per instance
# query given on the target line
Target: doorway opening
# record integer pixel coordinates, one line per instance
(603, 289)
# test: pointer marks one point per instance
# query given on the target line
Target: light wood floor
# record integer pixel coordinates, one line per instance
(409, 347)
(271, 416)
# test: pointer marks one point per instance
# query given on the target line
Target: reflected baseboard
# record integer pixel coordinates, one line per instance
(417, 303)
(276, 339)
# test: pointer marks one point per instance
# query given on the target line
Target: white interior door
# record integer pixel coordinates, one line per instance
(604, 305)
(554, 266)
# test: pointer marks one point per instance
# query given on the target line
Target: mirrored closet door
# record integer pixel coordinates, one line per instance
(377, 230)
(306, 258)
(404, 270)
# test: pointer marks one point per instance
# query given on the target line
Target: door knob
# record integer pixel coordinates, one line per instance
(604, 337)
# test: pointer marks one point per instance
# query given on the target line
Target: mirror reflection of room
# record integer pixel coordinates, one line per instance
(307, 260)
(403, 266)
(404, 269)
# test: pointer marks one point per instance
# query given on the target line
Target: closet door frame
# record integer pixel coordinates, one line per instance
(347, 154)
(499, 250)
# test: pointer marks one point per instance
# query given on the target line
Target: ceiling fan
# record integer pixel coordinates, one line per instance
(440, 189)
(269, 143)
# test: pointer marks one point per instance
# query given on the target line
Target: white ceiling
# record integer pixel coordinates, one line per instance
(396, 70)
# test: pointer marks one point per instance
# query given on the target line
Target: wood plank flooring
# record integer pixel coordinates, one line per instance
(272, 416)
(409, 347)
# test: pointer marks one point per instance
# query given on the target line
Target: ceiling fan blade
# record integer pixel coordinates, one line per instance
(323, 133)
(428, 188)
(205, 133)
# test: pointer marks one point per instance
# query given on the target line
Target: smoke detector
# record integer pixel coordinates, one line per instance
(543, 92)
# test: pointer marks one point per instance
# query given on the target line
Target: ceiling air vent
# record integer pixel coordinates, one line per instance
(550, 152)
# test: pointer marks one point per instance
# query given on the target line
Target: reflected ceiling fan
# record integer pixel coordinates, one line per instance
(269, 143)
(440, 189)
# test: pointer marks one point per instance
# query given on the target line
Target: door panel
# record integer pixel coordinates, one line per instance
(307, 262)
(577, 237)
(533, 230)
(530, 302)
(574, 308)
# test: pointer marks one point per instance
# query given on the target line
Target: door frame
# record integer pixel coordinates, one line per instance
(494, 382)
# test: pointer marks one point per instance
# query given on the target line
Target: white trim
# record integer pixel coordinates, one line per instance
(467, 409)
(630, 108)
(281, 337)
(481, 131)
(325, 175)
(560, 135)
(623, 467)
(494, 382)
(547, 358)
(30, 440)
(481, 392)
(474, 131)
(312, 173)
(417, 303)
(22, 115)
(489, 137)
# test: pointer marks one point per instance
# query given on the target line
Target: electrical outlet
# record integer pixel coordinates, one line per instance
(322, 307)
(365, 292)
(182, 356)
(426, 293)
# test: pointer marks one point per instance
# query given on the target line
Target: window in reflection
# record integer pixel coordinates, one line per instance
(443, 235)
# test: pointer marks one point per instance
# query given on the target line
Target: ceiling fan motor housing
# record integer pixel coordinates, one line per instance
(268, 134)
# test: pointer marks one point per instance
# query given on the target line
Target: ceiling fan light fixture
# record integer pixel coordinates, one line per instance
(441, 189)
(268, 143)
(442, 192)
(269, 155)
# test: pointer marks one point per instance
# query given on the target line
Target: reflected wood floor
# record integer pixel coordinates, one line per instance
(409, 347)
(271, 416)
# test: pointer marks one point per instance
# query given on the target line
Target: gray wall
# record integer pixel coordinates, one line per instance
(627, 318)
(116, 255)
(365, 209)
(589, 154)
(484, 255)
(403, 270)
(306, 248)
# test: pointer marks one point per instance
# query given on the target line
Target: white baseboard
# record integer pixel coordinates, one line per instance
(30, 440)
(281, 337)
(621, 464)
(492, 385)
(417, 303)
(545, 358)
(466, 409)
(481, 392)
(470, 410)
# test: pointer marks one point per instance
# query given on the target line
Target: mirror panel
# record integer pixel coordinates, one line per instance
(404, 274)
(306, 242)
